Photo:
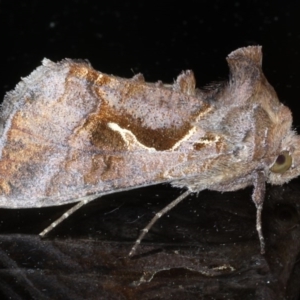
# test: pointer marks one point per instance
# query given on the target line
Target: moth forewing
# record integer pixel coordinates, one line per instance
(71, 134)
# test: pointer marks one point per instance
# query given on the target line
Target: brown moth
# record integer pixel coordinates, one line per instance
(72, 134)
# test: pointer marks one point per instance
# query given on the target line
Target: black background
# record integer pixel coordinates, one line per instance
(158, 39)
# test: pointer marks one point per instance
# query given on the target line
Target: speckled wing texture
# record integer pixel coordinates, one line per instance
(68, 132)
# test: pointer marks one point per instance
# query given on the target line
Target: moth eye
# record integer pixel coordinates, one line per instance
(282, 163)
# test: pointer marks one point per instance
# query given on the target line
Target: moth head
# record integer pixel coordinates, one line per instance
(286, 165)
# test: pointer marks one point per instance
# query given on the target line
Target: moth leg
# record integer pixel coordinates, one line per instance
(258, 198)
(155, 218)
(64, 216)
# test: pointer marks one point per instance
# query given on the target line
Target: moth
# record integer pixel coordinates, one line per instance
(71, 134)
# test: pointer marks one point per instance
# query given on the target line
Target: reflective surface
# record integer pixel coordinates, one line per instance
(206, 247)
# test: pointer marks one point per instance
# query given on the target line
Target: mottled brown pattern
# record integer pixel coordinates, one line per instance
(103, 167)
(84, 71)
(69, 133)
(102, 136)
(161, 140)
(199, 146)
(184, 85)
(210, 140)
(4, 187)
(22, 150)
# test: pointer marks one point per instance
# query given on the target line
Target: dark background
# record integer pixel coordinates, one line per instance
(81, 258)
